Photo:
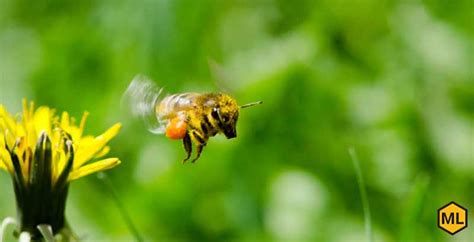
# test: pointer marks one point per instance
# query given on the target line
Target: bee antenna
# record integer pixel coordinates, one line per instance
(251, 104)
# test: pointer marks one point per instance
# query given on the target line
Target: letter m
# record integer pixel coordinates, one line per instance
(447, 220)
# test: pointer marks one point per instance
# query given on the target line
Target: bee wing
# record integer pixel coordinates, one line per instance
(141, 98)
(221, 77)
(171, 105)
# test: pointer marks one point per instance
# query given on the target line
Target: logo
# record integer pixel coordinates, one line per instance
(452, 218)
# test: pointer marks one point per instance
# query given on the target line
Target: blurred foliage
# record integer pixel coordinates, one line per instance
(392, 79)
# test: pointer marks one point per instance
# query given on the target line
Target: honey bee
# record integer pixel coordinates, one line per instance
(192, 117)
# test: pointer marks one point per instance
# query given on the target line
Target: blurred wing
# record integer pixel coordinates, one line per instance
(141, 98)
(220, 76)
(171, 105)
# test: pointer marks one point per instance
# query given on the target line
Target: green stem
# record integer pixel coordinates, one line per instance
(128, 220)
(363, 194)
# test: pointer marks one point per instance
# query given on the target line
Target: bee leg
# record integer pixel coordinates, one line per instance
(199, 148)
(187, 147)
(200, 143)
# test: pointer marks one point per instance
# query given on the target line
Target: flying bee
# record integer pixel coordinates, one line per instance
(192, 117)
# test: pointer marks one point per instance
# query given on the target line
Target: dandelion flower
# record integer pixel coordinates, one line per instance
(43, 153)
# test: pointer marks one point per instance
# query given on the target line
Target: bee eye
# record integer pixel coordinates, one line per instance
(215, 113)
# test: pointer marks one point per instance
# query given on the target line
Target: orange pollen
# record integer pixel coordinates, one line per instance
(176, 128)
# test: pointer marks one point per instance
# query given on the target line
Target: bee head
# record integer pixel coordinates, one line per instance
(226, 112)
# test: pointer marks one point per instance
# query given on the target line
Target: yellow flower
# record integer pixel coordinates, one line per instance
(43, 153)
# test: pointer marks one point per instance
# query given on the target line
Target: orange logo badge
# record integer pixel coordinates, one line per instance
(452, 218)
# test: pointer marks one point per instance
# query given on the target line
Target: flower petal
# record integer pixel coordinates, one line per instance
(65, 120)
(42, 119)
(6, 120)
(103, 152)
(93, 167)
(67, 124)
(2, 166)
(6, 160)
(87, 150)
(2, 150)
(2, 141)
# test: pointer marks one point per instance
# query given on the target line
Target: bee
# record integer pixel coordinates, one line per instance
(191, 117)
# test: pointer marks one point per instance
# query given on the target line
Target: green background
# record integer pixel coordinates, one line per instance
(392, 79)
